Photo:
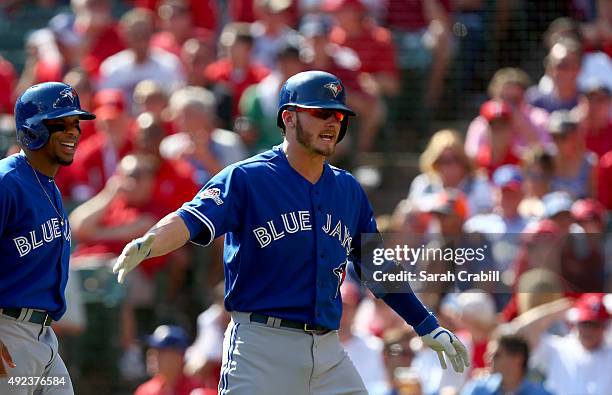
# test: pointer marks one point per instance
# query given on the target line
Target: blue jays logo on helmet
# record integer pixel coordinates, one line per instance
(334, 87)
(314, 89)
(43, 102)
(66, 98)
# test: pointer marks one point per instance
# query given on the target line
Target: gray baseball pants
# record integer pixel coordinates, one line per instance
(264, 360)
(40, 370)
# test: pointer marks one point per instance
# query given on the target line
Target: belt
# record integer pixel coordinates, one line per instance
(36, 317)
(281, 323)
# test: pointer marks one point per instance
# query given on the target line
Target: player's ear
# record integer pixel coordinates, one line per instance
(289, 118)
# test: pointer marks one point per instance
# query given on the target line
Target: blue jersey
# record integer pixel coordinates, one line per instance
(287, 240)
(34, 246)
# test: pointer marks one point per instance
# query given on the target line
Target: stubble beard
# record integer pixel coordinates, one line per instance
(308, 141)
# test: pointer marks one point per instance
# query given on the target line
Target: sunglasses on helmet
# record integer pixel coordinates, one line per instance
(322, 113)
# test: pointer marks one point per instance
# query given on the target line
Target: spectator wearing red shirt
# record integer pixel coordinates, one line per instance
(234, 73)
(165, 361)
(373, 44)
(241, 11)
(101, 225)
(98, 32)
(176, 25)
(343, 62)
(8, 78)
(122, 209)
(498, 152)
(594, 111)
(174, 177)
(99, 155)
(604, 180)
(529, 123)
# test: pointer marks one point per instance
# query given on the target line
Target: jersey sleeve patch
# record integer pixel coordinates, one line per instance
(212, 193)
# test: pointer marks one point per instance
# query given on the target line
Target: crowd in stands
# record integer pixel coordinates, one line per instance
(183, 88)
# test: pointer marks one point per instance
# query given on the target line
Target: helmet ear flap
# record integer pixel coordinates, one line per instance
(33, 135)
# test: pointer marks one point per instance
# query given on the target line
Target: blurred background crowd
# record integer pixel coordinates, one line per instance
(476, 118)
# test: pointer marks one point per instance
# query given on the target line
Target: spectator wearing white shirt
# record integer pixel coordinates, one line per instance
(579, 363)
(364, 351)
(139, 61)
(203, 357)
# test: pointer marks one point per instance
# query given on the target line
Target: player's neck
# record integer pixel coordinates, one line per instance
(309, 165)
(42, 164)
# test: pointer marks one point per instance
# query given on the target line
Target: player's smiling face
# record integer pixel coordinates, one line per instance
(318, 133)
(64, 135)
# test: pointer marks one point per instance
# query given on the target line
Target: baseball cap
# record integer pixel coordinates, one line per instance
(450, 202)
(508, 176)
(168, 336)
(544, 230)
(110, 104)
(314, 26)
(588, 210)
(477, 305)
(561, 122)
(556, 202)
(595, 85)
(589, 307)
(495, 109)
(62, 26)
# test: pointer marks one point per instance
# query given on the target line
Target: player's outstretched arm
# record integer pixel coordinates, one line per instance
(5, 360)
(169, 234)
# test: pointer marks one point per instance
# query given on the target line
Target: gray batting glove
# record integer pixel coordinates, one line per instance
(133, 253)
(443, 341)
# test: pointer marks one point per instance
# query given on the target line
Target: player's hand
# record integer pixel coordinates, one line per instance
(133, 253)
(443, 341)
(5, 357)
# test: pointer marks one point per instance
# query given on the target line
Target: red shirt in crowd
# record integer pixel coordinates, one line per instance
(174, 184)
(120, 213)
(7, 85)
(409, 15)
(604, 180)
(105, 44)
(599, 141)
(374, 46)
(167, 42)
(223, 71)
(48, 70)
(91, 166)
(184, 386)
(483, 160)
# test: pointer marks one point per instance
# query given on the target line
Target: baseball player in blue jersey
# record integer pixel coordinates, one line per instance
(292, 223)
(35, 240)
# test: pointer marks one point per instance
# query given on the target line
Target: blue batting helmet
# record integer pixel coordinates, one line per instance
(42, 102)
(314, 89)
